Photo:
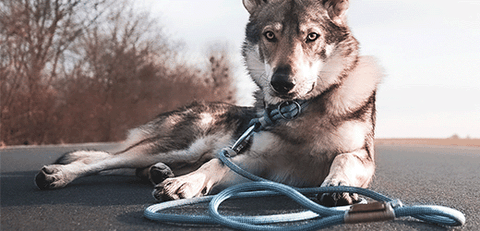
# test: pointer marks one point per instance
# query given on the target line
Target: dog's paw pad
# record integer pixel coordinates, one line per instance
(47, 178)
(159, 172)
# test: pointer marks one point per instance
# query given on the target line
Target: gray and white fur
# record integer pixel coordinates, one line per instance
(293, 50)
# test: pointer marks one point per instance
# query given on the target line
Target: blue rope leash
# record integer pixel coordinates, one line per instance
(318, 216)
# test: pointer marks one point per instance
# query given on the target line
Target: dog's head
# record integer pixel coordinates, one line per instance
(297, 49)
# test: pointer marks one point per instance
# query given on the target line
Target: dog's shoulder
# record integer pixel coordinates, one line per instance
(368, 70)
(358, 86)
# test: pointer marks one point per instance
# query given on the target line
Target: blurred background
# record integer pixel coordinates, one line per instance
(75, 71)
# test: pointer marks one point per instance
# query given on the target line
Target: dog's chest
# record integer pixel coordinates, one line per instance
(301, 154)
(294, 164)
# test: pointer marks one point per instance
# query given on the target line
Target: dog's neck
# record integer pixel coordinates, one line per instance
(272, 114)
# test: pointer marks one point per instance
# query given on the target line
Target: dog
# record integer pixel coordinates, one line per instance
(295, 51)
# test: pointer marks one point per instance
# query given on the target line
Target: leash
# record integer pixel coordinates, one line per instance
(318, 216)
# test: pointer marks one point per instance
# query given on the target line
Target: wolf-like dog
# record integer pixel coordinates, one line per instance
(294, 50)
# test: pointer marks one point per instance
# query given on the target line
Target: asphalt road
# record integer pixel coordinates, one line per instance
(441, 175)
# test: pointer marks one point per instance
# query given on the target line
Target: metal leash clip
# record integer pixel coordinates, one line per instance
(241, 142)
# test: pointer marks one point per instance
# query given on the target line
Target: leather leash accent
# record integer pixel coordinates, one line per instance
(375, 211)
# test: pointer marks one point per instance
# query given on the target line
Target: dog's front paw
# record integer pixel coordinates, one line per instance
(187, 186)
(51, 177)
(337, 199)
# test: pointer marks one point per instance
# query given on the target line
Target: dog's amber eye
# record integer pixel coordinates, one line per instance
(270, 36)
(312, 37)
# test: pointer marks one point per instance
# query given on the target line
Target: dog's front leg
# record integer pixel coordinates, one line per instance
(348, 169)
(194, 184)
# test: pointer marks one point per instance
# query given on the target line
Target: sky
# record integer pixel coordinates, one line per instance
(430, 51)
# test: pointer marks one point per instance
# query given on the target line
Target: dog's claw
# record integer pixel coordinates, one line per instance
(337, 199)
(164, 192)
(187, 186)
(47, 170)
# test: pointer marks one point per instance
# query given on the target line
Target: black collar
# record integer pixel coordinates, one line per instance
(287, 110)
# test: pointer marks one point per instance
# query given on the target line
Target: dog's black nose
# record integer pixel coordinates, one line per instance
(281, 81)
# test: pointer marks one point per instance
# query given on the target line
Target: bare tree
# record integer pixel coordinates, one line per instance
(119, 68)
(86, 71)
(220, 74)
(34, 35)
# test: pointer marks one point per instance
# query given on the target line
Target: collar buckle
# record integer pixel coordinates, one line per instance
(289, 110)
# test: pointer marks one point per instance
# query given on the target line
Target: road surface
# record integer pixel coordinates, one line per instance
(441, 175)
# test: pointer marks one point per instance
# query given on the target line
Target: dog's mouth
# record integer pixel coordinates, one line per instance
(286, 96)
(314, 84)
(294, 95)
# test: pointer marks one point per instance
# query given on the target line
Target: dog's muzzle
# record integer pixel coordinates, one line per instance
(281, 81)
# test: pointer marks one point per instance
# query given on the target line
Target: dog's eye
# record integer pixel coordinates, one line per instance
(270, 36)
(312, 37)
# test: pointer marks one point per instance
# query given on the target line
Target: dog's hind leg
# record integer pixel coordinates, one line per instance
(83, 163)
(183, 140)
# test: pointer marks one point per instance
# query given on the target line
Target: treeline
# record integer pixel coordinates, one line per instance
(88, 70)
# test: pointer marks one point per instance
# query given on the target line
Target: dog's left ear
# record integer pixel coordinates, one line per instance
(337, 10)
(252, 5)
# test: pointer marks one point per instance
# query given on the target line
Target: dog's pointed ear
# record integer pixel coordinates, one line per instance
(252, 5)
(337, 10)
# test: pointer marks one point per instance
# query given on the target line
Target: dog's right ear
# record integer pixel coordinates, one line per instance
(252, 5)
(336, 9)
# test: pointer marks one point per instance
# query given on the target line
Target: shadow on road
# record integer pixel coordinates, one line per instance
(20, 188)
(416, 175)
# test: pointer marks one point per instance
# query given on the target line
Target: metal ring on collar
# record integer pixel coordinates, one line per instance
(288, 116)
